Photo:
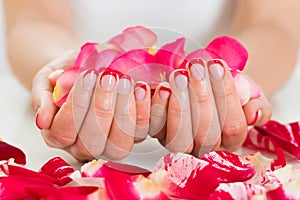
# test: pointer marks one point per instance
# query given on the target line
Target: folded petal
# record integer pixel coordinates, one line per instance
(58, 169)
(8, 151)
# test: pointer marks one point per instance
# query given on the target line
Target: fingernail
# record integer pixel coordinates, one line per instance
(256, 118)
(164, 92)
(196, 67)
(124, 85)
(216, 69)
(108, 80)
(181, 79)
(89, 80)
(140, 91)
(37, 121)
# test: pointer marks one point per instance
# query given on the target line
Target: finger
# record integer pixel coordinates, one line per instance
(158, 114)
(257, 111)
(42, 99)
(68, 120)
(179, 126)
(142, 101)
(206, 127)
(95, 129)
(121, 137)
(231, 115)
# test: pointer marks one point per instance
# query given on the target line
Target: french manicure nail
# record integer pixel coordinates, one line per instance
(196, 67)
(108, 80)
(181, 79)
(140, 91)
(256, 118)
(164, 92)
(216, 69)
(124, 85)
(89, 80)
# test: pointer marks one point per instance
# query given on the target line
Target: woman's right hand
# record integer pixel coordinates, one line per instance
(104, 114)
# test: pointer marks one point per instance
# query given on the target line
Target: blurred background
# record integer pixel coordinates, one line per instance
(3, 62)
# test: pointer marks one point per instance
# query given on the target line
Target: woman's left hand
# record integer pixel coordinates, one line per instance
(202, 110)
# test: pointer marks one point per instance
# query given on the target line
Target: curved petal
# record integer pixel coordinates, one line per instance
(64, 85)
(172, 54)
(58, 169)
(229, 167)
(230, 50)
(8, 151)
(141, 66)
(137, 37)
(198, 54)
(87, 56)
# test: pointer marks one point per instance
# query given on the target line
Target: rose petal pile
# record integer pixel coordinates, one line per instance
(274, 136)
(132, 52)
(216, 175)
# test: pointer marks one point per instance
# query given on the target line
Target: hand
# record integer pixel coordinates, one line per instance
(103, 115)
(203, 112)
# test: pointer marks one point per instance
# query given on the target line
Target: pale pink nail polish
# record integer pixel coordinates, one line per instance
(89, 80)
(216, 69)
(181, 79)
(196, 67)
(108, 80)
(164, 92)
(124, 85)
(140, 91)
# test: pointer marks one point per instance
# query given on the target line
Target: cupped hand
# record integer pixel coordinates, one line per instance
(104, 114)
(200, 110)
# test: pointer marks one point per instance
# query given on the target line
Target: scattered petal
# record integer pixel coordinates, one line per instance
(8, 151)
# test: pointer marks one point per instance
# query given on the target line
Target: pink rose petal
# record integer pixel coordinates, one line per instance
(225, 163)
(230, 50)
(181, 176)
(64, 85)
(87, 56)
(132, 38)
(172, 54)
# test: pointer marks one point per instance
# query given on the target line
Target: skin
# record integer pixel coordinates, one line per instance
(36, 22)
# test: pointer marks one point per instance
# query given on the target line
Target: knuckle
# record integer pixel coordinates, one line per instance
(158, 112)
(203, 98)
(225, 93)
(235, 129)
(56, 140)
(142, 120)
(178, 111)
(104, 109)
